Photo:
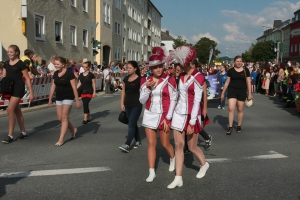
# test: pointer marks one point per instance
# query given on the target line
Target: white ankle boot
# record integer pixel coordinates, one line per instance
(172, 164)
(176, 183)
(151, 175)
(203, 170)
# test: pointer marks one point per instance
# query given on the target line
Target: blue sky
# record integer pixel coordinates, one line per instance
(233, 24)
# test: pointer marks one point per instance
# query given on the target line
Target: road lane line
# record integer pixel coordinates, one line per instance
(217, 160)
(54, 172)
(271, 156)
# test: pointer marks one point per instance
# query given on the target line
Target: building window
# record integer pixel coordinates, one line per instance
(124, 44)
(85, 38)
(73, 35)
(117, 28)
(117, 53)
(85, 5)
(58, 32)
(106, 12)
(39, 27)
(124, 21)
(292, 48)
(73, 3)
(118, 4)
(296, 47)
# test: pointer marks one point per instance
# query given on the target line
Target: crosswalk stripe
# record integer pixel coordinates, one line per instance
(53, 172)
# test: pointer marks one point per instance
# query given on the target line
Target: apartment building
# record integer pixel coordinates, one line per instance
(128, 30)
(60, 27)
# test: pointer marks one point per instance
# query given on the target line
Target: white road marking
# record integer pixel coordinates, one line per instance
(108, 96)
(272, 155)
(53, 172)
(217, 160)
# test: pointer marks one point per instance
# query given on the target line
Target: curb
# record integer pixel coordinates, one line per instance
(38, 107)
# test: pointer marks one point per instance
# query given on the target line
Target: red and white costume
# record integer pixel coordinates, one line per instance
(160, 101)
(188, 111)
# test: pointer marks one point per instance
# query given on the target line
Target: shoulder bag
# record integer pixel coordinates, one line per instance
(123, 118)
(250, 102)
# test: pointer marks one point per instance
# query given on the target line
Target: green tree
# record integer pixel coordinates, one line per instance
(262, 52)
(247, 56)
(180, 42)
(203, 47)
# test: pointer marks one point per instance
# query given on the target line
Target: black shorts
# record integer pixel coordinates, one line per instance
(18, 90)
(239, 95)
(253, 82)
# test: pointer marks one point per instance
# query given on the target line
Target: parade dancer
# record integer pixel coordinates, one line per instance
(65, 89)
(13, 72)
(187, 116)
(87, 87)
(159, 93)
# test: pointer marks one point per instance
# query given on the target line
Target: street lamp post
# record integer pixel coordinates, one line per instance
(278, 46)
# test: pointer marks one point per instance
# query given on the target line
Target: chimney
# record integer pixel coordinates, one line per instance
(167, 32)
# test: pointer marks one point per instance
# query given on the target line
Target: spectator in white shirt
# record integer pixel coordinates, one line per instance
(51, 66)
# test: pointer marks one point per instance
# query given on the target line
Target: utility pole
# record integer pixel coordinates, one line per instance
(278, 52)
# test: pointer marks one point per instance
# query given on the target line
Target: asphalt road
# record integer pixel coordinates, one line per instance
(261, 163)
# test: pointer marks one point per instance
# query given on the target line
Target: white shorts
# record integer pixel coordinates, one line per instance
(151, 120)
(65, 102)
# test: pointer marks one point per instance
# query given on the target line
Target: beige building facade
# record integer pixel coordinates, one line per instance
(59, 27)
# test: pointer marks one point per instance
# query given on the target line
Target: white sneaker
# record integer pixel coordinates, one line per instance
(172, 164)
(176, 183)
(219, 107)
(223, 108)
(151, 176)
(203, 170)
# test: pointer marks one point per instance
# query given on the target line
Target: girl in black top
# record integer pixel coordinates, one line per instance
(87, 87)
(15, 70)
(64, 86)
(238, 83)
(130, 103)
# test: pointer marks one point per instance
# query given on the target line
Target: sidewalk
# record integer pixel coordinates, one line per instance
(33, 108)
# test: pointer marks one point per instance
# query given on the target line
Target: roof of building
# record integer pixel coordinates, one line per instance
(165, 36)
(155, 8)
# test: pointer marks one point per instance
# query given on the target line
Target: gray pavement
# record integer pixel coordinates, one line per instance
(261, 163)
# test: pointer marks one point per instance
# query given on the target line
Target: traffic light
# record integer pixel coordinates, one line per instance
(96, 46)
(273, 46)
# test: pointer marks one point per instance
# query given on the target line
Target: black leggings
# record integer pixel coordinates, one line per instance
(86, 102)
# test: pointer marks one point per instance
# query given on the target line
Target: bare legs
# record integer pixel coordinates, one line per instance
(232, 103)
(14, 112)
(152, 141)
(179, 157)
(63, 112)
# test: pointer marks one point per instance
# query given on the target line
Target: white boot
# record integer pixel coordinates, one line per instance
(203, 170)
(176, 183)
(172, 164)
(151, 175)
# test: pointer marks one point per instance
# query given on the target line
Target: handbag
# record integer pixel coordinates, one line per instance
(250, 102)
(123, 118)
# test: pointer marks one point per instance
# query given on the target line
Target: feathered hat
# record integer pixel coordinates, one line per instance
(158, 57)
(182, 55)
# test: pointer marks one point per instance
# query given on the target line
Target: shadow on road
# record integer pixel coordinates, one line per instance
(43, 127)
(94, 125)
(223, 121)
(4, 182)
(291, 110)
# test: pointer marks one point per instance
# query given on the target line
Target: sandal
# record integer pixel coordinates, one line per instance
(74, 134)
(59, 144)
(229, 131)
(239, 129)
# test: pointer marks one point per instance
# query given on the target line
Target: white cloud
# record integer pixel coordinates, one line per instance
(196, 38)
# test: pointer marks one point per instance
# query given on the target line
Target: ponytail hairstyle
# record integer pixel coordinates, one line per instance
(63, 61)
(89, 63)
(135, 65)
